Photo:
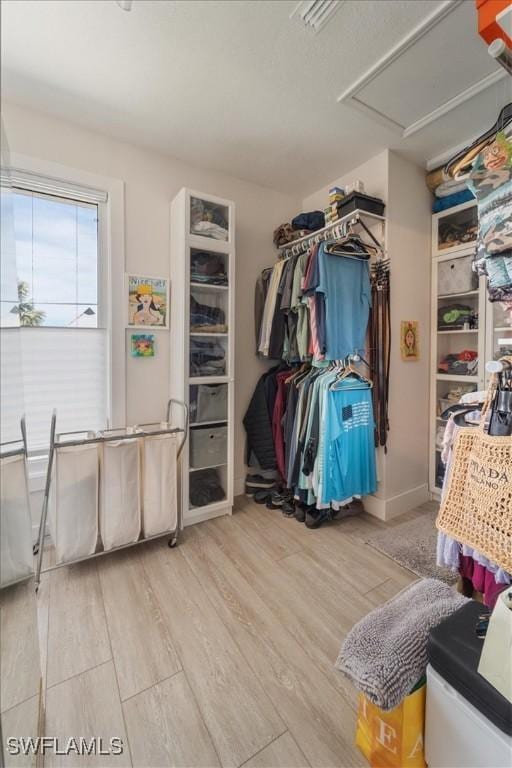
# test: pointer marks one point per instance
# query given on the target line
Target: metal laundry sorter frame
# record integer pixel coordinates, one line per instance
(142, 431)
(10, 449)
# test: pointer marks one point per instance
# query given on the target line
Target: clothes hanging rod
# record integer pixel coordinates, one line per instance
(303, 243)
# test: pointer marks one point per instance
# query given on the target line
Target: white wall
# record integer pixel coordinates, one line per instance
(151, 181)
(373, 173)
(409, 233)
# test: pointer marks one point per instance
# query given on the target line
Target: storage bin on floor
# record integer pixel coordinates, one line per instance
(73, 508)
(160, 501)
(120, 492)
(16, 529)
(208, 447)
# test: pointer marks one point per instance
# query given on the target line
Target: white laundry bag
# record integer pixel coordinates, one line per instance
(120, 512)
(160, 498)
(15, 524)
(73, 508)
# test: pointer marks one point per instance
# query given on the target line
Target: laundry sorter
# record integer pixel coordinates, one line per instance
(111, 489)
(16, 559)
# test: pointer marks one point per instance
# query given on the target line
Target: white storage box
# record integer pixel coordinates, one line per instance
(16, 560)
(160, 498)
(456, 276)
(73, 507)
(120, 492)
(457, 735)
(208, 447)
(211, 402)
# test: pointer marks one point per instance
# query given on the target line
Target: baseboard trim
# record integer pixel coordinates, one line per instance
(387, 509)
(199, 516)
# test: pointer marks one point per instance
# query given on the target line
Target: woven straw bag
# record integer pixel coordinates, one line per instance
(477, 506)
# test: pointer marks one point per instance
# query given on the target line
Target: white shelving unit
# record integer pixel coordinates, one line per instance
(486, 340)
(202, 282)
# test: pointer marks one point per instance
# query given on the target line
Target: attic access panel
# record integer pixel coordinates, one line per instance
(435, 67)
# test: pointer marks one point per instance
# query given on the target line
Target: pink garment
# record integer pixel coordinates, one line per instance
(483, 581)
(277, 418)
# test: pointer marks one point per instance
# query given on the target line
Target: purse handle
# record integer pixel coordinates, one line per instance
(491, 392)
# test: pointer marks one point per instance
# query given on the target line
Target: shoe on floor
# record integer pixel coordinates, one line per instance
(262, 496)
(288, 509)
(258, 481)
(300, 513)
(316, 517)
(280, 496)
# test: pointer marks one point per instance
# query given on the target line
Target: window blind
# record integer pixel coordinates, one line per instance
(62, 368)
(11, 384)
(33, 182)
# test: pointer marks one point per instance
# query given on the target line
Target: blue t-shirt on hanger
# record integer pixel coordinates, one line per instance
(348, 421)
(345, 283)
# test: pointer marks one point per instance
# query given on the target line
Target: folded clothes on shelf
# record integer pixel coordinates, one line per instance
(463, 363)
(454, 316)
(208, 219)
(207, 358)
(450, 201)
(196, 277)
(312, 221)
(205, 318)
(205, 488)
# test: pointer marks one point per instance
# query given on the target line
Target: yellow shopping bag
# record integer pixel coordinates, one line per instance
(393, 739)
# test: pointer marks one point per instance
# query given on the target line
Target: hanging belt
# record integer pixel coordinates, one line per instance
(380, 348)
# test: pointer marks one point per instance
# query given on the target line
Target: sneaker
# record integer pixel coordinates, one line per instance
(278, 497)
(288, 509)
(258, 481)
(261, 496)
(300, 513)
(316, 517)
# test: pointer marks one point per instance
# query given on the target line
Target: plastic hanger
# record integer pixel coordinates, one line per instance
(465, 157)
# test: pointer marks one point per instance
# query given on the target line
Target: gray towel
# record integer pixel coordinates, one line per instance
(385, 654)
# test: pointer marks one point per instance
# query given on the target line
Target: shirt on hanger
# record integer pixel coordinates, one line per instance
(350, 459)
(345, 284)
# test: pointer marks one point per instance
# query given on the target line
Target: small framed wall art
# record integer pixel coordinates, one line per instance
(147, 301)
(143, 345)
(409, 340)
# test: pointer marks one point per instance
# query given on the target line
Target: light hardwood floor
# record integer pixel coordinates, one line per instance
(220, 652)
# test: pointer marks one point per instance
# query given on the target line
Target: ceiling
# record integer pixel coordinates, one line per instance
(240, 87)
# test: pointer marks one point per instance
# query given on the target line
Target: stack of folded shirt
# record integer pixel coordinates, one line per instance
(207, 358)
(206, 319)
(460, 364)
(208, 268)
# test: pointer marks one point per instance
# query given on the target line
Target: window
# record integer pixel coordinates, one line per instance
(60, 337)
(57, 261)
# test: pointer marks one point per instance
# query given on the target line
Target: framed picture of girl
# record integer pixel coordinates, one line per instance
(148, 301)
(409, 340)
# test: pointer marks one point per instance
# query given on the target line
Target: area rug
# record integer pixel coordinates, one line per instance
(413, 545)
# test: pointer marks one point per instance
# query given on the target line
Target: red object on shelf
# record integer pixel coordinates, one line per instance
(488, 27)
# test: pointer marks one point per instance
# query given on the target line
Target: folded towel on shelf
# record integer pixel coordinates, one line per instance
(449, 201)
(447, 188)
(385, 654)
